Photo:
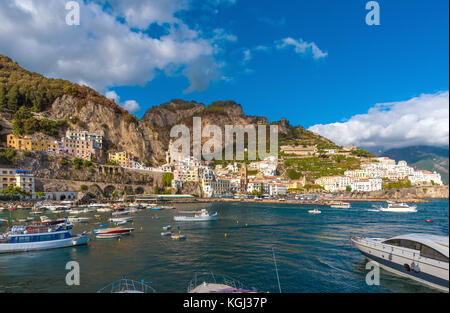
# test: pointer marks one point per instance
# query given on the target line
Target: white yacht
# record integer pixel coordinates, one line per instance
(340, 205)
(399, 207)
(208, 282)
(421, 257)
(196, 216)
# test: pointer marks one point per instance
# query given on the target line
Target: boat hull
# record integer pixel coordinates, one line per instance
(394, 260)
(195, 219)
(44, 245)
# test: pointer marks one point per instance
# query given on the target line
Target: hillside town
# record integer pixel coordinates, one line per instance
(256, 179)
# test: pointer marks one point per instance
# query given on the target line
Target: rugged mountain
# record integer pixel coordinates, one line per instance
(423, 157)
(33, 105)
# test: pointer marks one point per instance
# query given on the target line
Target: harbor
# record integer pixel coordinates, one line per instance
(313, 253)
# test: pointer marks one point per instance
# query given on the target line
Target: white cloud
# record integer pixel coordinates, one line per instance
(423, 120)
(105, 51)
(302, 47)
(129, 105)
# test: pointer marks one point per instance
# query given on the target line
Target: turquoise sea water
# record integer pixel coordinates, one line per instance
(313, 252)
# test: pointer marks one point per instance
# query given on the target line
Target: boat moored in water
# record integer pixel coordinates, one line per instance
(213, 283)
(421, 257)
(340, 205)
(196, 216)
(41, 236)
(315, 211)
(398, 207)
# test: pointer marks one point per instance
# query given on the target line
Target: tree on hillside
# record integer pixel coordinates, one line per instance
(13, 99)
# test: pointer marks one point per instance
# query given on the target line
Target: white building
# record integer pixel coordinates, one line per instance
(422, 177)
(367, 185)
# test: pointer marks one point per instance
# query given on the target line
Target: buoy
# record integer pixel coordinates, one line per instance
(246, 225)
(141, 227)
(118, 239)
(225, 235)
(237, 222)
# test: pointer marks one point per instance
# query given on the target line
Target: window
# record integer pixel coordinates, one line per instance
(404, 243)
(428, 252)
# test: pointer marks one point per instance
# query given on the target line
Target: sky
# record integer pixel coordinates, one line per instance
(316, 63)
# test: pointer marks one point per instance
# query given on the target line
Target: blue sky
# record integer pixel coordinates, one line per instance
(403, 57)
(144, 53)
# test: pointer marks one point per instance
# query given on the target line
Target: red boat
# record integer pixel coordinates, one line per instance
(113, 231)
(429, 221)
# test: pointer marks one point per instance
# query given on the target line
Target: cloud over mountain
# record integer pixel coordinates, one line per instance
(421, 120)
(110, 47)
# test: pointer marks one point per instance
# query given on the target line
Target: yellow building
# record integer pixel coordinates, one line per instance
(16, 178)
(192, 175)
(22, 143)
(119, 156)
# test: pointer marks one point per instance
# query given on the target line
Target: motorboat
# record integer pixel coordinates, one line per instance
(41, 236)
(112, 231)
(166, 233)
(398, 207)
(121, 212)
(168, 227)
(340, 205)
(418, 256)
(196, 216)
(178, 236)
(208, 282)
(104, 210)
(127, 286)
(121, 220)
(77, 219)
(315, 211)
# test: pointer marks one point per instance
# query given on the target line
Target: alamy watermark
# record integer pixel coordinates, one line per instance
(73, 16)
(235, 138)
(373, 16)
(73, 276)
(373, 276)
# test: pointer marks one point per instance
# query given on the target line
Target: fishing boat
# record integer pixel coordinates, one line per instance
(196, 216)
(157, 208)
(41, 236)
(340, 205)
(398, 207)
(418, 256)
(207, 282)
(127, 286)
(315, 211)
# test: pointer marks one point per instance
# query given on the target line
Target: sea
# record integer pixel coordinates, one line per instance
(271, 247)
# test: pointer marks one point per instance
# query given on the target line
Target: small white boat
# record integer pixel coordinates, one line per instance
(208, 282)
(3, 221)
(340, 205)
(421, 257)
(398, 207)
(77, 219)
(108, 236)
(315, 211)
(75, 212)
(196, 216)
(104, 210)
(168, 227)
(121, 212)
(178, 236)
(121, 220)
(166, 233)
